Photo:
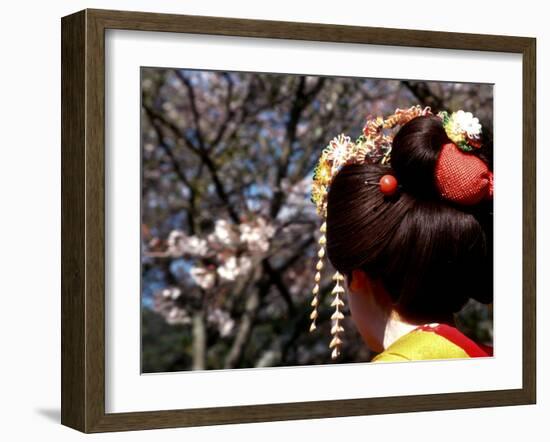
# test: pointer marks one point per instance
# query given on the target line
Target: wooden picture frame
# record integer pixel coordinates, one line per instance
(83, 220)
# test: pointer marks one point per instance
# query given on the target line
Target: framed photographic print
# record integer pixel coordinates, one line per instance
(271, 220)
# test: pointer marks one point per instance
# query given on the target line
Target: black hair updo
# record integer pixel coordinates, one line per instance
(431, 255)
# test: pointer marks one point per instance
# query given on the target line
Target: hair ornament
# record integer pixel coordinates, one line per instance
(461, 177)
(463, 129)
(388, 185)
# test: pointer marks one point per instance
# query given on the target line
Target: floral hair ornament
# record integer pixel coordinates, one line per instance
(463, 129)
(461, 177)
(373, 146)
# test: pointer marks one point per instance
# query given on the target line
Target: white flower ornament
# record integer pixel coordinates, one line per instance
(339, 151)
(463, 129)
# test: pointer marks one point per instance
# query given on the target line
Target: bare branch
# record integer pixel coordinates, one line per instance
(155, 124)
(194, 110)
(277, 280)
(229, 113)
(245, 326)
(206, 159)
(302, 99)
(423, 93)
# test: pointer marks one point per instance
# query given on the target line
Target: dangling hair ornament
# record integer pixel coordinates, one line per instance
(373, 146)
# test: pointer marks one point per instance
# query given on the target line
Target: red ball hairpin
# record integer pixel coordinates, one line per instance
(388, 185)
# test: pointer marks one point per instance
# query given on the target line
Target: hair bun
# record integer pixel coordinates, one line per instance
(415, 150)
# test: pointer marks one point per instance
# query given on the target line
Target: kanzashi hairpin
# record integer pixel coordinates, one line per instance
(388, 185)
(462, 128)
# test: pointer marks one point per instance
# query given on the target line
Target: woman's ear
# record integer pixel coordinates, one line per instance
(362, 283)
(359, 281)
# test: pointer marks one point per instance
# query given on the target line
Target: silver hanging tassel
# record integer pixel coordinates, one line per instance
(337, 316)
(315, 301)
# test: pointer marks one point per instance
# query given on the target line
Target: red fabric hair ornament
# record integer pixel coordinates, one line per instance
(461, 177)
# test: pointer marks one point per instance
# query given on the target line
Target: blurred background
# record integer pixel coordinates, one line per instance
(228, 230)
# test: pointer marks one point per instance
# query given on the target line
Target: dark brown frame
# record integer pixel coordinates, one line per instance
(83, 216)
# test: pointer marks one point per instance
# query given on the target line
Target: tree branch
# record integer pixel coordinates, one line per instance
(277, 280)
(302, 99)
(245, 326)
(204, 157)
(423, 93)
(229, 113)
(177, 170)
(194, 110)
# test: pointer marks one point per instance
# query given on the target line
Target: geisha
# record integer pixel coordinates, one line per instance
(407, 224)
